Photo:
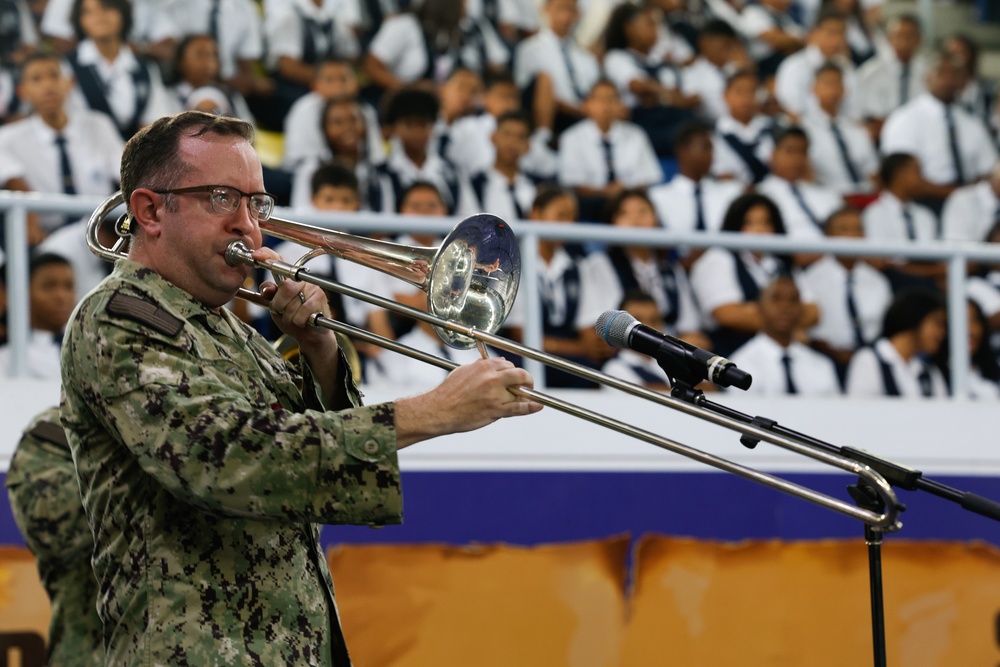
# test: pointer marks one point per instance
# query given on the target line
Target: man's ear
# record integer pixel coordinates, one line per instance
(147, 210)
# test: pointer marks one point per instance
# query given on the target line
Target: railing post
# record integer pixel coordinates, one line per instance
(18, 324)
(529, 297)
(958, 327)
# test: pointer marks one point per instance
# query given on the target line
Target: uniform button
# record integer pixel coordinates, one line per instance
(370, 447)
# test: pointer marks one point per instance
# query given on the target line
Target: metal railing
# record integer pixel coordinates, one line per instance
(17, 205)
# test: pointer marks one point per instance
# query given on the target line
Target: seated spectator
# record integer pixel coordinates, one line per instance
(651, 270)
(984, 373)
(153, 29)
(109, 77)
(727, 283)
(18, 36)
(458, 96)
(569, 296)
(58, 149)
(601, 155)
(648, 85)
(333, 77)
(851, 293)
(88, 268)
(743, 140)
(633, 366)
(772, 33)
(984, 288)
(197, 86)
(804, 206)
(781, 365)
(692, 200)
(894, 76)
(51, 297)
(720, 53)
(793, 84)
(409, 121)
(971, 211)
(504, 190)
(898, 364)
(953, 146)
(977, 94)
(676, 34)
(861, 36)
(553, 71)
(841, 151)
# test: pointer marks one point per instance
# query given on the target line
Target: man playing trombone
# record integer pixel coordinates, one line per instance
(204, 459)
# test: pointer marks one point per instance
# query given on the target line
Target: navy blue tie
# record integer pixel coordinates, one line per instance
(790, 387)
(844, 153)
(911, 229)
(513, 199)
(610, 160)
(570, 71)
(699, 223)
(924, 378)
(904, 84)
(956, 156)
(805, 207)
(65, 169)
(213, 20)
(852, 311)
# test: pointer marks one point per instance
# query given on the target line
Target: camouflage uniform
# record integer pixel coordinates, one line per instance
(205, 461)
(45, 497)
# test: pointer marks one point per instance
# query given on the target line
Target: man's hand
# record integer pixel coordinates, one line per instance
(471, 397)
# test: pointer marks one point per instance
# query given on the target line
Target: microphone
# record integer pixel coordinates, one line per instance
(681, 361)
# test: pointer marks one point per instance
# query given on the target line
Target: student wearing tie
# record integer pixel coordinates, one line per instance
(841, 151)
(633, 366)
(899, 362)
(772, 32)
(977, 94)
(692, 200)
(804, 206)
(780, 364)
(984, 372)
(58, 149)
(972, 211)
(504, 190)
(720, 54)
(894, 76)
(953, 146)
(743, 140)
(851, 293)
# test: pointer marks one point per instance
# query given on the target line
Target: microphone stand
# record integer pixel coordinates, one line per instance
(683, 381)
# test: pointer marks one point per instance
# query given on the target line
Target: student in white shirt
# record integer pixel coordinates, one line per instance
(601, 155)
(705, 77)
(654, 271)
(771, 32)
(459, 95)
(827, 43)
(692, 200)
(894, 76)
(649, 86)
(898, 364)
(953, 146)
(851, 293)
(841, 151)
(727, 283)
(743, 140)
(504, 190)
(51, 298)
(984, 372)
(633, 366)
(971, 211)
(977, 94)
(804, 206)
(781, 365)
(197, 84)
(554, 72)
(109, 77)
(32, 149)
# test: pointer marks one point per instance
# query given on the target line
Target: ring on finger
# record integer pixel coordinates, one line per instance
(302, 297)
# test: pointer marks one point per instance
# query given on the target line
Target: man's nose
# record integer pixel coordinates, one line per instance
(241, 222)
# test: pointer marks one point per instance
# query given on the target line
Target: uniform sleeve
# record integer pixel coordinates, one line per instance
(573, 165)
(713, 279)
(863, 375)
(390, 44)
(647, 167)
(622, 71)
(896, 136)
(216, 436)
(284, 37)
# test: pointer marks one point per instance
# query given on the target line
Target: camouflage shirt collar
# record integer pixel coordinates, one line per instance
(164, 293)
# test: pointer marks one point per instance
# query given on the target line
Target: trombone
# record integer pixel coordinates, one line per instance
(471, 280)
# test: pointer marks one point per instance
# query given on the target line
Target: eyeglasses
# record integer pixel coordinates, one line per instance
(226, 199)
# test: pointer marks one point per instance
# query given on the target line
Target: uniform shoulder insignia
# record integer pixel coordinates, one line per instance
(50, 432)
(144, 312)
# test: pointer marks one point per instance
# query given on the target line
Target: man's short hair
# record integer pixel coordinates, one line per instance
(846, 209)
(515, 117)
(412, 102)
(717, 28)
(905, 17)
(742, 73)
(151, 158)
(829, 66)
(891, 165)
(419, 185)
(789, 132)
(334, 175)
(42, 259)
(829, 14)
(37, 57)
(690, 131)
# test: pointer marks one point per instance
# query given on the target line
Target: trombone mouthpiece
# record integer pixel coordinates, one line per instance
(238, 253)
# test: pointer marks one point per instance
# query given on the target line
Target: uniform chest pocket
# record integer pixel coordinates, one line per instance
(234, 377)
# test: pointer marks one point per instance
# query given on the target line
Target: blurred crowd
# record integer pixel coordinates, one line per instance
(806, 118)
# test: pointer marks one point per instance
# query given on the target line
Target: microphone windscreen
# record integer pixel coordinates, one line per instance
(613, 327)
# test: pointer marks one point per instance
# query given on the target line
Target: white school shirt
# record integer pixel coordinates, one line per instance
(881, 83)
(582, 161)
(121, 93)
(985, 291)
(283, 30)
(240, 37)
(42, 355)
(471, 147)
(92, 143)
(626, 364)
(827, 158)
(520, 13)
(708, 82)
(827, 279)
(401, 372)
(726, 162)
(497, 197)
(820, 201)
(981, 389)
(970, 212)
(301, 197)
(436, 170)
(69, 242)
(650, 277)
(812, 373)
(304, 131)
(919, 128)
(552, 291)
(399, 45)
(884, 220)
(715, 282)
(623, 66)
(756, 20)
(675, 205)
(543, 52)
(794, 82)
(8, 93)
(671, 46)
(864, 375)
